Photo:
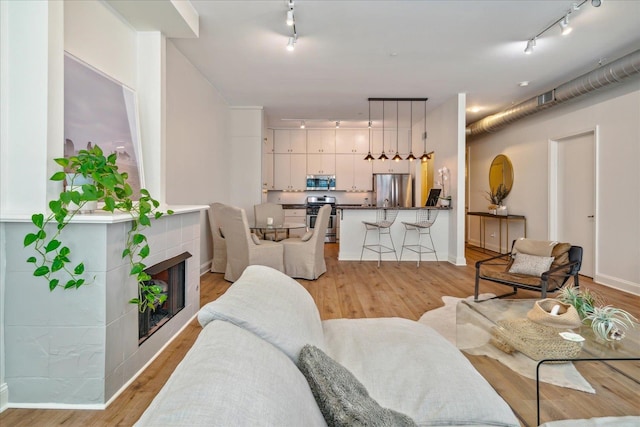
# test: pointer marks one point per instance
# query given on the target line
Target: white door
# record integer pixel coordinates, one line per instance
(576, 196)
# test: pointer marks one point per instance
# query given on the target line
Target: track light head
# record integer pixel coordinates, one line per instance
(564, 25)
(596, 3)
(337, 124)
(290, 17)
(291, 45)
(530, 45)
(302, 125)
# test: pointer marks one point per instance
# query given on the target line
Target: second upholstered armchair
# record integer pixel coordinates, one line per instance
(243, 247)
(304, 257)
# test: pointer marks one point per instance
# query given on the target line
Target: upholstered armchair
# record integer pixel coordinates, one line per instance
(304, 257)
(219, 262)
(243, 247)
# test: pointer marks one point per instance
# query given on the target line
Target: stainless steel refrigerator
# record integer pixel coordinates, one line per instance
(393, 189)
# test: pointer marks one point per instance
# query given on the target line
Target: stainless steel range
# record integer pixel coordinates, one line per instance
(314, 203)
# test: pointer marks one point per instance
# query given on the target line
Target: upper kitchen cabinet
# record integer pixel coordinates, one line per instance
(391, 166)
(290, 141)
(321, 164)
(353, 173)
(267, 172)
(267, 143)
(352, 141)
(290, 172)
(394, 140)
(321, 141)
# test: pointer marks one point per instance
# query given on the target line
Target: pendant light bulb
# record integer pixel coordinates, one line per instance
(369, 157)
(383, 157)
(411, 157)
(302, 125)
(397, 157)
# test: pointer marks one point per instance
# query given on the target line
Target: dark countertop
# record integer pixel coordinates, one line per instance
(294, 206)
(360, 207)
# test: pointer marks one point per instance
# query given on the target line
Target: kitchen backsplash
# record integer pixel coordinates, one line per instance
(300, 197)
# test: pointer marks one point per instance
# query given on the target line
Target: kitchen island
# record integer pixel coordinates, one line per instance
(352, 232)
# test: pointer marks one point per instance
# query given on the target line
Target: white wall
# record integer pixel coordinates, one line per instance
(445, 130)
(198, 167)
(616, 113)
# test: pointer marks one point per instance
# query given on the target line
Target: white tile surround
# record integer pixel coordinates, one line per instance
(78, 348)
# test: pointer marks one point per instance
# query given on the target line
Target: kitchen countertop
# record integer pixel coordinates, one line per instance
(294, 206)
(360, 207)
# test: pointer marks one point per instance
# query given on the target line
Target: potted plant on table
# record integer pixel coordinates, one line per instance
(101, 182)
(496, 197)
(445, 198)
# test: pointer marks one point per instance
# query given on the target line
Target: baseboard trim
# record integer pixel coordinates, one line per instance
(206, 267)
(619, 284)
(4, 396)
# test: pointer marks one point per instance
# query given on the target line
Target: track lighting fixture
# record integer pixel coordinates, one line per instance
(564, 26)
(337, 124)
(563, 22)
(290, 18)
(530, 45)
(291, 45)
(302, 125)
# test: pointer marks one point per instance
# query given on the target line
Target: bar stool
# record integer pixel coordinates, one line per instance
(384, 220)
(424, 220)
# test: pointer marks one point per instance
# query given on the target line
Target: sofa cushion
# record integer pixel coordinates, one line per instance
(342, 399)
(531, 265)
(271, 305)
(230, 377)
(410, 368)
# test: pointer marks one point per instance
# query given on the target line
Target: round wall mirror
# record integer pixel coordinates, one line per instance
(501, 172)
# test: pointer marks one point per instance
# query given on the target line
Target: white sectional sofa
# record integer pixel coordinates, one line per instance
(243, 368)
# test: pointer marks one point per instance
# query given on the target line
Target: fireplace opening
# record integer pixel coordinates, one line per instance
(170, 276)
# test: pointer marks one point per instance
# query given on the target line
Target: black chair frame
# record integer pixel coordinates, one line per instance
(573, 266)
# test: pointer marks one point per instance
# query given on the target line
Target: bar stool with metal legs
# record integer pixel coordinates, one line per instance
(384, 220)
(424, 220)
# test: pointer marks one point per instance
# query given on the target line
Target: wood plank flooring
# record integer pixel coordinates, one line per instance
(353, 290)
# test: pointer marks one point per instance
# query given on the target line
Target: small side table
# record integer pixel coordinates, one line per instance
(484, 215)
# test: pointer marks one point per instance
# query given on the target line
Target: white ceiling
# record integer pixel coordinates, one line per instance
(349, 51)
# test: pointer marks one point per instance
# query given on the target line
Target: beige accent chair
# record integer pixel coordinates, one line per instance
(305, 259)
(219, 262)
(243, 247)
(263, 211)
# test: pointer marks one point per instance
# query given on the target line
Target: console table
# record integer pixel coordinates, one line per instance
(500, 218)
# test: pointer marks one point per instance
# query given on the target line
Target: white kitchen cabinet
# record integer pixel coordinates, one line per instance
(353, 173)
(296, 216)
(390, 166)
(393, 141)
(290, 172)
(321, 141)
(321, 164)
(352, 141)
(267, 172)
(290, 141)
(267, 145)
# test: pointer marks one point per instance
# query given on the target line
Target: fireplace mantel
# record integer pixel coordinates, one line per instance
(79, 348)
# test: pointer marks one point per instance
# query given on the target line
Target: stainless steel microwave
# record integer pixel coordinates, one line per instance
(321, 182)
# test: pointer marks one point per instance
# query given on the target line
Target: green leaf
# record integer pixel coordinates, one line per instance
(53, 283)
(134, 301)
(41, 235)
(138, 238)
(38, 220)
(41, 271)
(64, 251)
(136, 268)
(58, 176)
(52, 245)
(29, 239)
(144, 252)
(170, 212)
(65, 197)
(55, 206)
(126, 252)
(62, 161)
(157, 215)
(144, 220)
(79, 283)
(56, 265)
(79, 269)
(70, 284)
(32, 259)
(109, 204)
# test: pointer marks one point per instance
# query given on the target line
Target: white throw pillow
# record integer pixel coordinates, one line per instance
(306, 236)
(530, 264)
(255, 239)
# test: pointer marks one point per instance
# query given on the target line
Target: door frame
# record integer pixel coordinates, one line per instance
(553, 186)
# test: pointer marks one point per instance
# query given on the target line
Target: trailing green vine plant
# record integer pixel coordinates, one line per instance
(102, 181)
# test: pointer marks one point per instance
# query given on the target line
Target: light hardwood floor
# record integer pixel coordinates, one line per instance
(353, 290)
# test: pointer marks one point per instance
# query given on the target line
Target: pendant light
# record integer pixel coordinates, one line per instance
(411, 157)
(383, 156)
(397, 157)
(369, 156)
(425, 156)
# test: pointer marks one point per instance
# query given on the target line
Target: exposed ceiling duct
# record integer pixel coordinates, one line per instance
(615, 72)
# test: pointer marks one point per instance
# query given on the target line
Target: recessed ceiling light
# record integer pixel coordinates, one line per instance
(393, 54)
(523, 84)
